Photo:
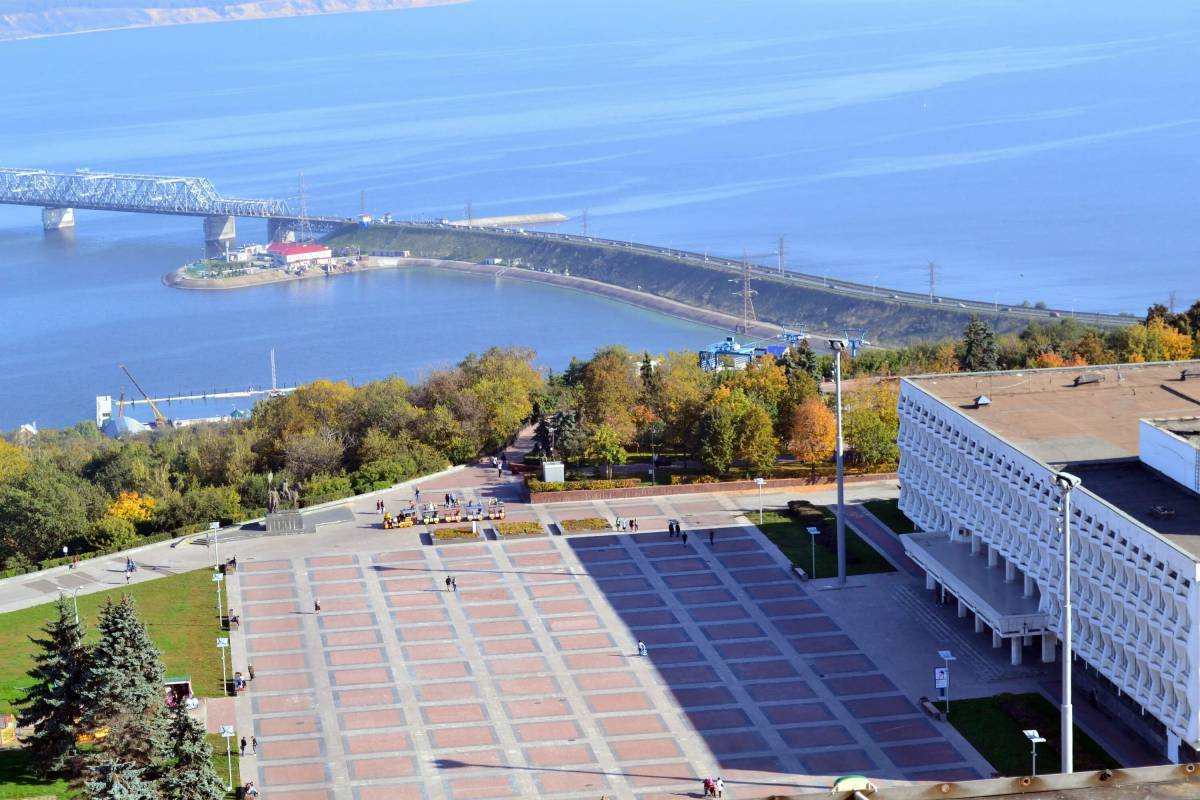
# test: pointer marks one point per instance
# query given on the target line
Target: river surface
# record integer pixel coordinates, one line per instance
(1033, 151)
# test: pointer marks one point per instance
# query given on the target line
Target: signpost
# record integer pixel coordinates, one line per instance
(227, 734)
(941, 677)
(760, 482)
(1034, 740)
(222, 645)
(813, 534)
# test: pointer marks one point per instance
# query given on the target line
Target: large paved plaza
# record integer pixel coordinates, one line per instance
(526, 682)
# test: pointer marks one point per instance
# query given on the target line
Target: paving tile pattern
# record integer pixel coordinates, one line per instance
(526, 681)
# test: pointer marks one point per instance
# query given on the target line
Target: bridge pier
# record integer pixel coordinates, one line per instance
(219, 232)
(55, 219)
(280, 230)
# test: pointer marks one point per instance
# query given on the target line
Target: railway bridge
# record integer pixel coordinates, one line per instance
(59, 194)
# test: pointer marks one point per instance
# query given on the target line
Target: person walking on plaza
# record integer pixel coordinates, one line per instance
(453, 584)
(641, 648)
(253, 744)
(316, 605)
(720, 787)
(447, 583)
(250, 670)
(711, 536)
(684, 537)
(244, 747)
(416, 495)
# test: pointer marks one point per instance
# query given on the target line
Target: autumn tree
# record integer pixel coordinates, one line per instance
(755, 443)
(604, 449)
(814, 431)
(681, 389)
(611, 387)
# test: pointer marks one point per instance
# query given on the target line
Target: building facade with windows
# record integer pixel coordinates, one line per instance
(978, 457)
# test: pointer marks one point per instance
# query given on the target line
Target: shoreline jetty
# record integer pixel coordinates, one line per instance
(178, 279)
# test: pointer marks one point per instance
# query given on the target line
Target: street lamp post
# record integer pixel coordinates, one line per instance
(75, 600)
(946, 656)
(1034, 741)
(222, 645)
(759, 483)
(1067, 483)
(227, 734)
(838, 345)
(218, 579)
(813, 533)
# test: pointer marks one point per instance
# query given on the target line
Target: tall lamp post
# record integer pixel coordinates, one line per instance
(813, 533)
(1067, 483)
(223, 645)
(838, 345)
(227, 734)
(759, 483)
(1034, 740)
(947, 657)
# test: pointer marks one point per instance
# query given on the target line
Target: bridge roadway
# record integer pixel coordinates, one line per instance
(60, 193)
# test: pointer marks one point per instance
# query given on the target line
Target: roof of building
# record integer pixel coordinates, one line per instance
(1047, 415)
(295, 248)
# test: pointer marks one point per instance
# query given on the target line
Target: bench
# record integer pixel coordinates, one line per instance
(931, 708)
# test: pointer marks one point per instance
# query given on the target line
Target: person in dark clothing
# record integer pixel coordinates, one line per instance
(684, 535)
(244, 745)
(711, 537)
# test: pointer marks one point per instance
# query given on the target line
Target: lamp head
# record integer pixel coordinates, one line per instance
(838, 345)
(1066, 481)
(1033, 736)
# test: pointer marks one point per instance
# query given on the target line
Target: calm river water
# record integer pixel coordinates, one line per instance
(1034, 151)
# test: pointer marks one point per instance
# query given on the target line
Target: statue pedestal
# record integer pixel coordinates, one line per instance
(285, 521)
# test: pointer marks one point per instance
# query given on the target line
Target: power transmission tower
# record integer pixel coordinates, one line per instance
(362, 202)
(470, 214)
(747, 296)
(782, 256)
(584, 222)
(932, 280)
(305, 233)
(1171, 302)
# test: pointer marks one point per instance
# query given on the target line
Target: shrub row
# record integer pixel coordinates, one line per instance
(454, 533)
(519, 528)
(585, 524)
(536, 485)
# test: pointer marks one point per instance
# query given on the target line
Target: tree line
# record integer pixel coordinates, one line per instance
(75, 488)
(112, 693)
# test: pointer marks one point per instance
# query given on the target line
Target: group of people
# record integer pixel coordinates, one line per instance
(130, 568)
(451, 583)
(714, 788)
(499, 464)
(253, 744)
(630, 525)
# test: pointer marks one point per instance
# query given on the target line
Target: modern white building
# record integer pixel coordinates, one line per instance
(978, 455)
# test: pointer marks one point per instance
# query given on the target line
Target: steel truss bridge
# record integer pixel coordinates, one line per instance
(60, 193)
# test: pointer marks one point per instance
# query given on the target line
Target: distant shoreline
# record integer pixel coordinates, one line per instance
(643, 300)
(202, 15)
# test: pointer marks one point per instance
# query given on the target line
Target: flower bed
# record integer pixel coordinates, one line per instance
(585, 524)
(449, 534)
(536, 485)
(519, 528)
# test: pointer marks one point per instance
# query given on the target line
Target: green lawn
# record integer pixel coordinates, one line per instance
(790, 535)
(180, 613)
(889, 513)
(994, 725)
(221, 764)
(16, 780)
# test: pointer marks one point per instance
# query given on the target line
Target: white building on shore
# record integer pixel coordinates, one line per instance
(978, 455)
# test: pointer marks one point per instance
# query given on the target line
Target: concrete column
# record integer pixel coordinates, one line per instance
(1028, 640)
(1049, 641)
(997, 640)
(1010, 571)
(1016, 650)
(976, 544)
(219, 232)
(55, 219)
(1172, 748)
(1029, 584)
(930, 581)
(978, 624)
(993, 556)
(279, 230)
(962, 609)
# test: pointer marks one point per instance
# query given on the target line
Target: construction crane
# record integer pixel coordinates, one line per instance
(160, 421)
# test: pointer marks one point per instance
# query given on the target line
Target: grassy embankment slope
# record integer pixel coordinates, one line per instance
(702, 285)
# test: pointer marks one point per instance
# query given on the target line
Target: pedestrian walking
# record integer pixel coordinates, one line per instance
(447, 583)
(417, 495)
(711, 536)
(684, 535)
(128, 575)
(500, 471)
(641, 648)
(453, 584)
(316, 605)
(253, 744)
(244, 743)
(250, 670)
(720, 787)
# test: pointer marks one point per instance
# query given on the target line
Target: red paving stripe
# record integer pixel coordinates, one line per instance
(390, 767)
(283, 682)
(554, 590)
(664, 775)
(620, 701)
(574, 606)
(288, 702)
(594, 681)
(346, 638)
(740, 650)
(793, 713)
(860, 684)
(441, 692)
(508, 647)
(260, 626)
(269, 593)
(901, 729)
(855, 662)
(563, 782)
(464, 712)
(533, 709)
(400, 557)
(416, 583)
(470, 596)
(352, 677)
(633, 725)
(290, 748)
(585, 641)
(536, 685)
(838, 762)
(646, 749)
(341, 658)
(867, 707)
(302, 794)
(268, 579)
(417, 615)
(331, 561)
(288, 726)
(486, 788)
(431, 652)
(920, 755)
(822, 644)
(462, 736)
(280, 663)
(761, 670)
(382, 718)
(599, 660)
(294, 773)
(334, 574)
(507, 627)
(788, 608)
(338, 589)
(559, 755)
(333, 605)
(263, 566)
(816, 736)
(546, 731)
(495, 611)
(379, 741)
(375, 696)
(439, 670)
(392, 791)
(272, 609)
(517, 666)
(421, 599)
(340, 621)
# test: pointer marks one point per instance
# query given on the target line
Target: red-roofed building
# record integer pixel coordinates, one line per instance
(285, 254)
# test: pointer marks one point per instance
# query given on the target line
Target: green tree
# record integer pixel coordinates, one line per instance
(114, 779)
(14, 462)
(977, 351)
(682, 388)
(604, 448)
(611, 388)
(52, 704)
(111, 533)
(309, 454)
(190, 774)
(755, 442)
(123, 687)
(43, 510)
(569, 436)
(715, 439)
